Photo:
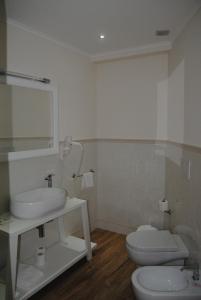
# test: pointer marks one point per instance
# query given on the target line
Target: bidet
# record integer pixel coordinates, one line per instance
(195, 268)
(165, 283)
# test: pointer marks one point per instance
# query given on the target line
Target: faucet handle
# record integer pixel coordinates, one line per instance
(49, 176)
(194, 266)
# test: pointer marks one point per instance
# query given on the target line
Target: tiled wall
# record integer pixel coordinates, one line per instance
(70, 166)
(131, 181)
(183, 191)
(131, 178)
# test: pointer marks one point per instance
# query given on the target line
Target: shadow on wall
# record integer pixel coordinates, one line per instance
(5, 131)
(183, 193)
(183, 163)
(184, 80)
(6, 118)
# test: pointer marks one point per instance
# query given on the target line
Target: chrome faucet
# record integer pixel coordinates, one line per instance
(195, 268)
(49, 180)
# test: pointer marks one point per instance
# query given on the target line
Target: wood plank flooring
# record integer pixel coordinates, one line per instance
(106, 277)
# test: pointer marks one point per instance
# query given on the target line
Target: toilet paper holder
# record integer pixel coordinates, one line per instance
(164, 207)
(169, 212)
(80, 175)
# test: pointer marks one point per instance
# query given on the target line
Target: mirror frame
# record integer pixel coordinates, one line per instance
(38, 152)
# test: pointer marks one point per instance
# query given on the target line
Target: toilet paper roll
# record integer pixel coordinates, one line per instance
(40, 256)
(163, 205)
(87, 180)
(40, 250)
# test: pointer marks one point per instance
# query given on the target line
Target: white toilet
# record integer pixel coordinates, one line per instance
(151, 247)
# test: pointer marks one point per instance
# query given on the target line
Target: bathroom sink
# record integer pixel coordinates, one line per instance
(37, 203)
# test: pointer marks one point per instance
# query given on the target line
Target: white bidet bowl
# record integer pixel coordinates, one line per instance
(165, 283)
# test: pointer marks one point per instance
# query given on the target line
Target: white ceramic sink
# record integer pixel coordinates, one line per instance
(37, 203)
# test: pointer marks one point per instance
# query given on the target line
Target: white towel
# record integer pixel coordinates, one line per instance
(87, 180)
(28, 277)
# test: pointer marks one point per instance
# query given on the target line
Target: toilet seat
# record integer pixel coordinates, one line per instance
(148, 248)
(149, 241)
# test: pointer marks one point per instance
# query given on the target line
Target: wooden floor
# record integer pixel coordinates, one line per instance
(106, 277)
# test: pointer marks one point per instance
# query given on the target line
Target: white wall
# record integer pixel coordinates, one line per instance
(131, 97)
(184, 125)
(5, 112)
(131, 181)
(131, 103)
(176, 103)
(184, 105)
(72, 73)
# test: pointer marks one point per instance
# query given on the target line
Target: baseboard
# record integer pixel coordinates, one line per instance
(119, 228)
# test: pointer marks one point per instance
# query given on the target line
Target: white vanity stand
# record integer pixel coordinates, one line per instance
(59, 257)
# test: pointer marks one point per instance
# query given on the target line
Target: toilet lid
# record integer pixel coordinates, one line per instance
(148, 240)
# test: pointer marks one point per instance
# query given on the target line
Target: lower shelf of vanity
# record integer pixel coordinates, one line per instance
(2, 291)
(59, 258)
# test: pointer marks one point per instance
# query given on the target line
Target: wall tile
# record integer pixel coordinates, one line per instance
(131, 179)
(184, 197)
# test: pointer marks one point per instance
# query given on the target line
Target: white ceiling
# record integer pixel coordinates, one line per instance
(127, 24)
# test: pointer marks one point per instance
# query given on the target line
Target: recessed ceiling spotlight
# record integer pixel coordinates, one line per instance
(101, 36)
(164, 32)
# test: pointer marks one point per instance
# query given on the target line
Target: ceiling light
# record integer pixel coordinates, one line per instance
(164, 32)
(101, 36)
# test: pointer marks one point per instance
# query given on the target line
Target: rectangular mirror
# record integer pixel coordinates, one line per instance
(33, 121)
